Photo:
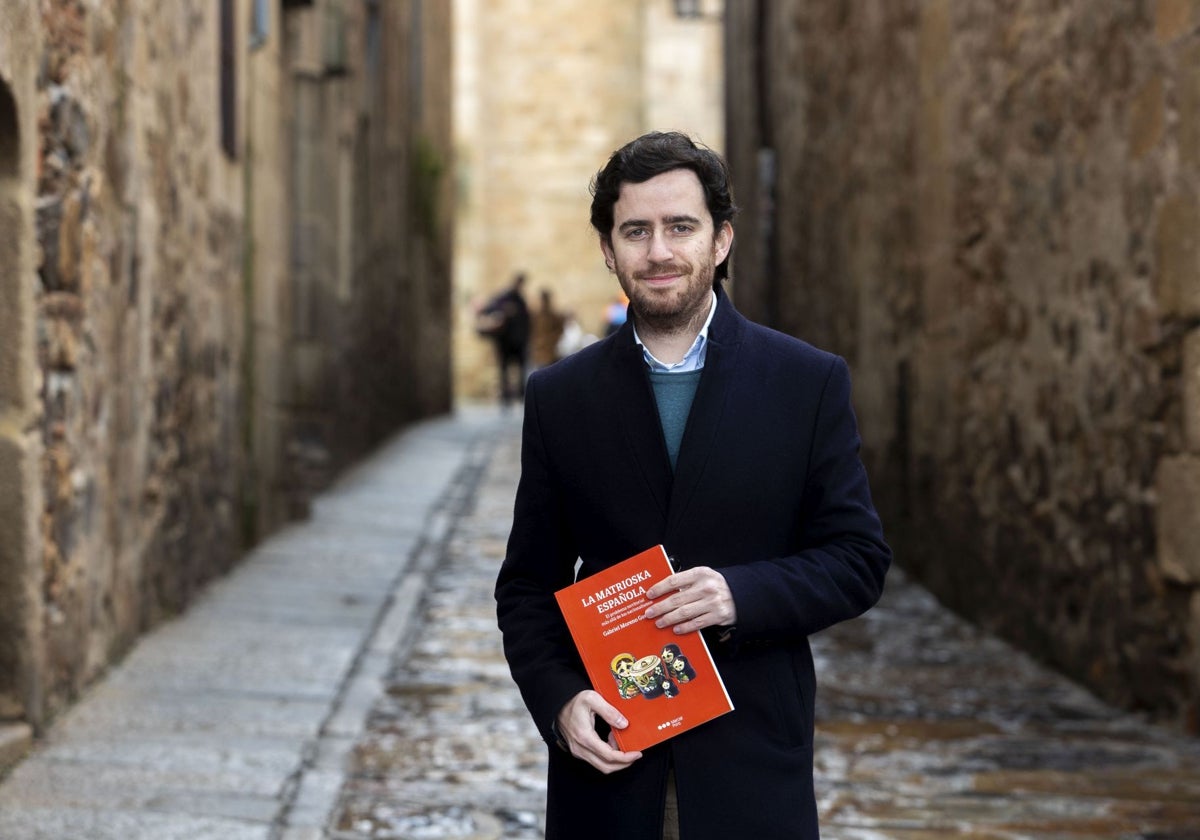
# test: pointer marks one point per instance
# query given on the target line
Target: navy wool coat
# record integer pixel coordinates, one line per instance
(769, 489)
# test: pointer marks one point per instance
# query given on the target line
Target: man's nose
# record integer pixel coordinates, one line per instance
(660, 248)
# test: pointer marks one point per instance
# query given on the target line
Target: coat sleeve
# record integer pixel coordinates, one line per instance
(838, 570)
(540, 559)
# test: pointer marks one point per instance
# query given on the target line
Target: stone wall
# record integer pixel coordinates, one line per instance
(226, 250)
(369, 263)
(20, 487)
(138, 334)
(991, 210)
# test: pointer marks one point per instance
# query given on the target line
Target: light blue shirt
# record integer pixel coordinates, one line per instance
(693, 359)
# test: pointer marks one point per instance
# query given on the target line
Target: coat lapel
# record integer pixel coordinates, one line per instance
(708, 408)
(638, 412)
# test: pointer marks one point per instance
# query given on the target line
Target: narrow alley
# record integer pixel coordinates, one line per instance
(347, 682)
(254, 493)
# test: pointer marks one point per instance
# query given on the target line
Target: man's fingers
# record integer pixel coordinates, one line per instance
(692, 600)
(577, 723)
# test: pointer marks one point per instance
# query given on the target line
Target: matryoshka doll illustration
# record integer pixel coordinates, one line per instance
(676, 664)
(648, 673)
(669, 689)
(621, 666)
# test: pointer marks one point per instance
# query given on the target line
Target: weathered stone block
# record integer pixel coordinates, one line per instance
(15, 303)
(16, 610)
(1173, 18)
(1178, 518)
(1187, 94)
(1147, 117)
(1178, 250)
(1191, 391)
(69, 242)
(1193, 636)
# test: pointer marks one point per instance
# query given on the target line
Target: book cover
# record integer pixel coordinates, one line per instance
(663, 683)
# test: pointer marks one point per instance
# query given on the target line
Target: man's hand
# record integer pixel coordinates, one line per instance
(697, 598)
(577, 726)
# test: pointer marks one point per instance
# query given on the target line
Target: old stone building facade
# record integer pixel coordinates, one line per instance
(544, 93)
(992, 210)
(224, 274)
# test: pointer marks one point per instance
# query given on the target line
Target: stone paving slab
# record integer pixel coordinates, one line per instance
(60, 823)
(227, 780)
(234, 721)
(130, 709)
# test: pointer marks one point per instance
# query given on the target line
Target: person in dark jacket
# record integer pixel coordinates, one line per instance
(505, 320)
(734, 446)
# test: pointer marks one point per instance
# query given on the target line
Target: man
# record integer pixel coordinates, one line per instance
(505, 320)
(735, 447)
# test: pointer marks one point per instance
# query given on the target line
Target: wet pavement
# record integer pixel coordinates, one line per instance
(347, 682)
(234, 721)
(450, 751)
(927, 728)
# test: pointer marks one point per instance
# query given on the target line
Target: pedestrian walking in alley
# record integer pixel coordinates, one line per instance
(547, 331)
(505, 321)
(736, 448)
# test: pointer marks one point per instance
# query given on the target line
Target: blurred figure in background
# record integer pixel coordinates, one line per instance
(573, 337)
(615, 314)
(547, 330)
(505, 320)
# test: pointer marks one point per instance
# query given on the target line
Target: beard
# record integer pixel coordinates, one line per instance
(675, 308)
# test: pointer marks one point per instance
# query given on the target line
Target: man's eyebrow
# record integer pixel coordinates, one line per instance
(671, 220)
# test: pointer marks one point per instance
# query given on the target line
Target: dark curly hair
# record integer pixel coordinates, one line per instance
(653, 154)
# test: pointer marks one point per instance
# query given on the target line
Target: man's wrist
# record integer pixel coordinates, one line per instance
(558, 736)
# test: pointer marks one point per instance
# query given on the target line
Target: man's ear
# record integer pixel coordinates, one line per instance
(722, 242)
(607, 249)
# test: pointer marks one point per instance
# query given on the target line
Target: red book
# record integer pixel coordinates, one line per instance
(663, 683)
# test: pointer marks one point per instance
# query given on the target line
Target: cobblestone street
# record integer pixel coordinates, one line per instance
(927, 727)
(347, 682)
(450, 751)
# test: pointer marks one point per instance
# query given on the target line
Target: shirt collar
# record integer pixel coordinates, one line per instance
(695, 356)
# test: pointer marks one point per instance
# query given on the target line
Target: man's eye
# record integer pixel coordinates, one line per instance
(683, 229)
(635, 233)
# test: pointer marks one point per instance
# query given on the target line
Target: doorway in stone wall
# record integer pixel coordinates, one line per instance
(12, 493)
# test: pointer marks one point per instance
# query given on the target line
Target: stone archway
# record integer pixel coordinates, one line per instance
(18, 591)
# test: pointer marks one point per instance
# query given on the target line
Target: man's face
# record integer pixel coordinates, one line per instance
(664, 249)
